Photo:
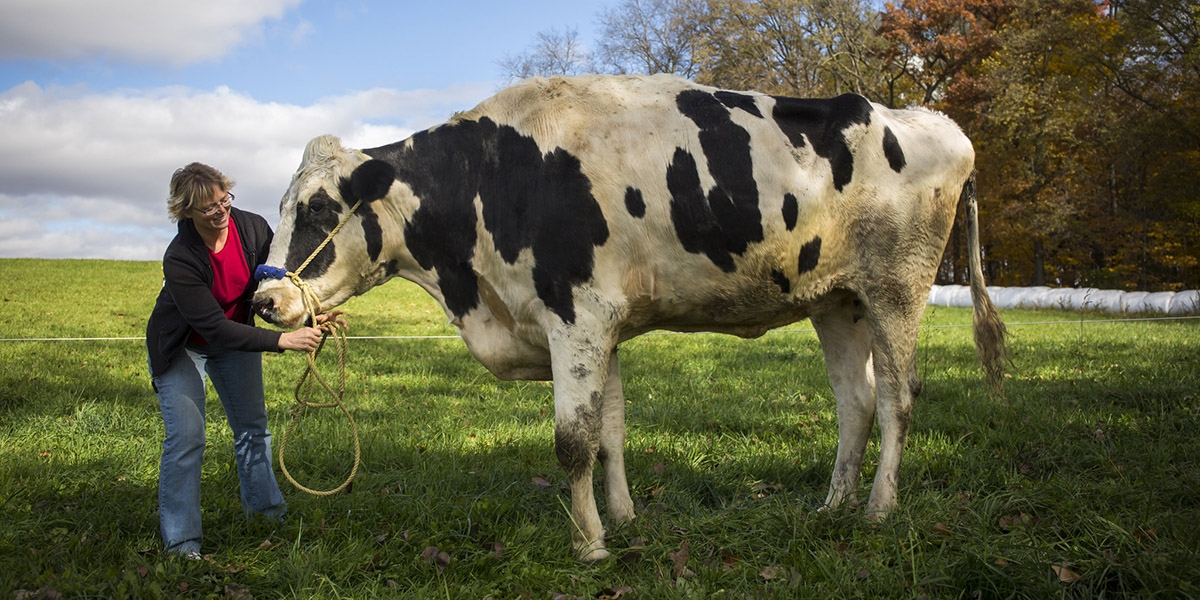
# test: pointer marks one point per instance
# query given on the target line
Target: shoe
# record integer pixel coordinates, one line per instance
(191, 555)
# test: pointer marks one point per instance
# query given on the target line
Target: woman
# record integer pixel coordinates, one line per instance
(202, 325)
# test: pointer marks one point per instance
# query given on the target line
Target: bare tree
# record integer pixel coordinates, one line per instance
(553, 53)
(650, 36)
(804, 47)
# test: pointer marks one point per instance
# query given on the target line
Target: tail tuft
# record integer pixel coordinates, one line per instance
(989, 329)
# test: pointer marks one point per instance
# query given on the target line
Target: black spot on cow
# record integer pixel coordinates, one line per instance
(314, 220)
(736, 100)
(369, 182)
(634, 202)
(823, 123)
(371, 231)
(695, 224)
(725, 220)
(810, 253)
(782, 281)
(791, 211)
(535, 200)
(893, 151)
(441, 232)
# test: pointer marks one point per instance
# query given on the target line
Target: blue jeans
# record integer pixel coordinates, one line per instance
(237, 377)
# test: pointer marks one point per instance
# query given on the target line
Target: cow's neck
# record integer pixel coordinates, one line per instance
(396, 260)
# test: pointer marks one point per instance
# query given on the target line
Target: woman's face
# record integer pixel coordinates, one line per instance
(213, 215)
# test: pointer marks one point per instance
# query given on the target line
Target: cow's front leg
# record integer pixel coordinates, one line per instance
(580, 371)
(612, 446)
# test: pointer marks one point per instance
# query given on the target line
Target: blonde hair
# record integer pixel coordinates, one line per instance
(191, 185)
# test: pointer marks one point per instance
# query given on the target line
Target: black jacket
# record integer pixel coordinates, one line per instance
(186, 302)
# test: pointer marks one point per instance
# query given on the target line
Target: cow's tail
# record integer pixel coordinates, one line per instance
(989, 329)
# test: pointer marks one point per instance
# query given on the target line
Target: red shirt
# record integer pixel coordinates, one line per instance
(231, 276)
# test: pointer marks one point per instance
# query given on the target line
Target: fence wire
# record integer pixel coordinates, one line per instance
(773, 331)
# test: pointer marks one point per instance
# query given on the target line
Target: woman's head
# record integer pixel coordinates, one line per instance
(193, 187)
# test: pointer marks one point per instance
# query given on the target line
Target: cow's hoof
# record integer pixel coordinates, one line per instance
(592, 554)
(878, 515)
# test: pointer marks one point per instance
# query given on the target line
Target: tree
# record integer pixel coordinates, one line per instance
(650, 36)
(554, 53)
(938, 45)
(793, 47)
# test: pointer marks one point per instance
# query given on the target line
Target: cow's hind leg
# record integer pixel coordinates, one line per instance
(612, 446)
(894, 347)
(580, 373)
(846, 342)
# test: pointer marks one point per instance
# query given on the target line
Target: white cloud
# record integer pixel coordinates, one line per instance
(84, 175)
(155, 31)
(301, 32)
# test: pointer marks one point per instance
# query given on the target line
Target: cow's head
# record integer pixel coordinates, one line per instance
(324, 189)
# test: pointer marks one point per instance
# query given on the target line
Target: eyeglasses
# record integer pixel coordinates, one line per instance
(223, 205)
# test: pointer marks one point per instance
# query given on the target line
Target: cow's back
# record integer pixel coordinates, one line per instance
(734, 211)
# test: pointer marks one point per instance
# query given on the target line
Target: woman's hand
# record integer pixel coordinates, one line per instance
(334, 316)
(305, 339)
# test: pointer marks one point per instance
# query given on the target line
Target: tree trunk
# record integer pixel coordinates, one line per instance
(1039, 262)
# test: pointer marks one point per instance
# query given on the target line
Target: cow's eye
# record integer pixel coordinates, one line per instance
(314, 207)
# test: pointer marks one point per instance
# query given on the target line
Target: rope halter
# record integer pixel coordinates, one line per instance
(304, 386)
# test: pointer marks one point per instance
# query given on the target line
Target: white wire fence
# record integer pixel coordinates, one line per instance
(1165, 306)
(773, 331)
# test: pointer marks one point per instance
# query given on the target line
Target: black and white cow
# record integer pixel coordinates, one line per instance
(563, 216)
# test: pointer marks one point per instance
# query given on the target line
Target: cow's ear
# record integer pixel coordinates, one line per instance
(371, 180)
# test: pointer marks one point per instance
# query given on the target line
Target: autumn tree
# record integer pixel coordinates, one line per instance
(1153, 68)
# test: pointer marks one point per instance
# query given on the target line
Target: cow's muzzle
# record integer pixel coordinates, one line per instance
(264, 306)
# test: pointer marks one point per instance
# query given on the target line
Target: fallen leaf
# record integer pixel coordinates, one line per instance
(377, 563)
(1146, 534)
(266, 545)
(1011, 521)
(237, 592)
(769, 573)
(541, 483)
(381, 538)
(729, 561)
(612, 593)
(659, 469)
(1065, 575)
(143, 571)
(44, 593)
(940, 529)
(679, 561)
(863, 574)
(437, 557)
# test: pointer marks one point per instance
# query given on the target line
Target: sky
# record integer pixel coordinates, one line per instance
(100, 102)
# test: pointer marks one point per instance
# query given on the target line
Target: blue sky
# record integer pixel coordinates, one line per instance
(101, 101)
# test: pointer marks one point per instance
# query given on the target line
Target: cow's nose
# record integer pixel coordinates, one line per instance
(263, 305)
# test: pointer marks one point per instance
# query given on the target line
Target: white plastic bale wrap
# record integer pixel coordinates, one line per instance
(1114, 301)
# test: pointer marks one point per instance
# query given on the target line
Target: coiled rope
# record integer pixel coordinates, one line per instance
(304, 386)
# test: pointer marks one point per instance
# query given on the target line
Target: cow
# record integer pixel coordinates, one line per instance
(565, 215)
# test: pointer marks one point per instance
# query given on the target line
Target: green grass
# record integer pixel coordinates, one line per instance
(1090, 464)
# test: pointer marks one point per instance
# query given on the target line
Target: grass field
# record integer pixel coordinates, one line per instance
(1084, 481)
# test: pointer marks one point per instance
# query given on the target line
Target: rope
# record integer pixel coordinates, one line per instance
(304, 385)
